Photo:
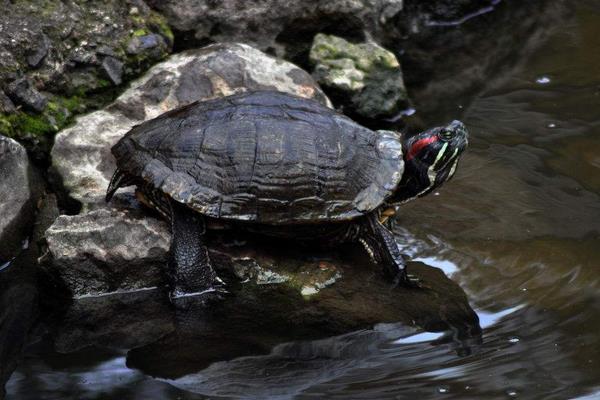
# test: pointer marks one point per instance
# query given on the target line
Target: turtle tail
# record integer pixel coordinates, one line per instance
(118, 180)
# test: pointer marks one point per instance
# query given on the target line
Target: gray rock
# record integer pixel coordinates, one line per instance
(123, 250)
(284, 26)
(113, 69)
(81, 154)
(105, 251)
(366, 77)
(139, 44)
(59, 48)
(22, 92)
(444, 45)
(6, 105)
(39, 51)
(19, 189)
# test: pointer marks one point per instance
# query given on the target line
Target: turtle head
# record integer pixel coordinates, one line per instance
(430, 159)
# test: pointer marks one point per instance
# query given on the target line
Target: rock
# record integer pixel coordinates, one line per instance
(58, 50)
(281, 26)
(6, 105)
(47, 213)
(256, 317)
(18, 312)
(39, 51)
(22, 92)
(139, 44)
(113, 69)
(110, 321)
(444, 45)
(114, 250)
(365, 77)
(105, 251)
(81, 154)
(113, 262)
(19, 189)
(287, 28)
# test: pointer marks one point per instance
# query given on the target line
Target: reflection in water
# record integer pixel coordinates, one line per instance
(191, 346)
(18, 310)
(518, 228)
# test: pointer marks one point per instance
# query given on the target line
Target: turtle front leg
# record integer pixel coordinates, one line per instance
(383, 249)
(190, 269)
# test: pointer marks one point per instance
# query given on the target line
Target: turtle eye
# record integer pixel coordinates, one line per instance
(446, 134)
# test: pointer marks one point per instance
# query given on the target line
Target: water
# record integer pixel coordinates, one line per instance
(518, 229)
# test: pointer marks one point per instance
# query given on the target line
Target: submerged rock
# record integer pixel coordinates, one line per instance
(19, 190)
(81, 154)
(365, 77)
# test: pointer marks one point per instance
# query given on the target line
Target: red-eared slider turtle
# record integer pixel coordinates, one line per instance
(282, 165)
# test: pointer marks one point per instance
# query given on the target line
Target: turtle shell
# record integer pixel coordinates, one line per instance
(266, 157)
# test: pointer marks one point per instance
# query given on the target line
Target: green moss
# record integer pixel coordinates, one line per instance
(140, 32)
(58, 114)
(327, 49)
(103, 83)
(160, 24)
(152, 23)
(72, 103)
(5, 126)
(23, 125)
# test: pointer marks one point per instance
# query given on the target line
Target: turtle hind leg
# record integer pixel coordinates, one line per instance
(190, 271)
(381, 245)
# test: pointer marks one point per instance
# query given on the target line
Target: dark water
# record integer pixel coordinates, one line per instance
(518, 229)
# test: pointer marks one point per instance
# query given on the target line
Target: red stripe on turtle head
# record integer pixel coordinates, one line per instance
(418, 146)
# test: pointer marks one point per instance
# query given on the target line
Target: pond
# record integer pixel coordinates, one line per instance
(518, 229)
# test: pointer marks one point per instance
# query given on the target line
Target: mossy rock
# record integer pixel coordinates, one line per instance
(74, 56)
(365, 77)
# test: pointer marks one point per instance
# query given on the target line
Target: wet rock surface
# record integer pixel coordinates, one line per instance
(113, 263)
(365, 78)
(19, 190)
(18, 313)
(117, 321)
(59, 58)
(257, 316)
(81, 154)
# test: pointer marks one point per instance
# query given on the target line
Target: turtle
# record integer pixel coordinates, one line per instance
(280, 165)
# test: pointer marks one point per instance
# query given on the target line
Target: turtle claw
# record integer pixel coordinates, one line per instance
(413, 281)
(407, 280)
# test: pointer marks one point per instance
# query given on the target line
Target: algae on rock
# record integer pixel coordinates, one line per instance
(365, 77)
(62, 58)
